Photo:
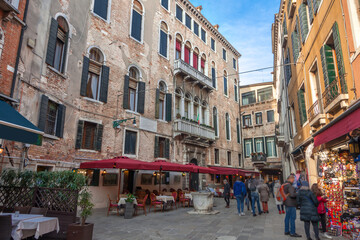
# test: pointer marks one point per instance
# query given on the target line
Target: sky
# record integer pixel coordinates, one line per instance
(246, 24)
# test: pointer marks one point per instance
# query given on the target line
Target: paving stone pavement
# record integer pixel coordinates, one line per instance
(177, 224)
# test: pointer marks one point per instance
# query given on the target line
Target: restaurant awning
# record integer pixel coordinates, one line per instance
(169, 166)
(15, 127)
(199, 169)
(233, 171)
(342, 125)
(118, 162)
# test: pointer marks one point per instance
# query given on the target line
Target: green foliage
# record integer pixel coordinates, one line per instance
(130, 198)
(59, 179)
(85, 205)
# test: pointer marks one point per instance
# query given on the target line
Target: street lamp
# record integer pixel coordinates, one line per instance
(116, 123)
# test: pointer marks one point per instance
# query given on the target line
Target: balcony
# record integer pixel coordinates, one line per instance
(9, 5)
(193, 74)
(291, 8)
(280, 140)
(335, 96)
(284, 40)
(258, 159)
(194, 131)
(316, 117)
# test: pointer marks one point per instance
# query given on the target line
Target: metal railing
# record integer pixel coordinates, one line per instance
(194, 129)
(314, 110)
(333, 90)
(258, 157)
(192, 72)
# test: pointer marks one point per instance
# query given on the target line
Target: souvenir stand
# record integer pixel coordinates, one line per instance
(339, 181)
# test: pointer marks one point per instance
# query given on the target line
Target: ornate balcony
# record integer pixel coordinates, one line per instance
(193, 74)
(316, 117)
(194, 131)
(335, 95)
(258, 159)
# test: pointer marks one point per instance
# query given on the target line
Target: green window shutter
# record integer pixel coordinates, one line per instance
(105, 71)
(60, 121)
(95, 178)
(50, 53)
(168, 107)
(167, 148)
(65, 51)
(316, 6)
(294, 41)
(302, 106)
(156, 147)
(328, 66)
(157, 102)
(310, 4)
(99, 136)
(339, 57)
(304, 24)
(79, 135)
(236, 93)
(238, 131)
(84, 76)
(43, 112)
(126, 104)
(141, 97)
(298, 32)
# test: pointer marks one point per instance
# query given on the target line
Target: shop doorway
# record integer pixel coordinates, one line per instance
(194, 178)
(129, 181)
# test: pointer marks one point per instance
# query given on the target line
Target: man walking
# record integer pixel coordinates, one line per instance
(248, 199)
(240, 194)
(227, 193)
(253, 184)
(290, 206)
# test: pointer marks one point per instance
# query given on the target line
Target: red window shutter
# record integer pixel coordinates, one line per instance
(202, 63)
(187, 55)
(178, 46)
(195, 61)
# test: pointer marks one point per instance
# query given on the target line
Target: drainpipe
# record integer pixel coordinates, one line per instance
(19, 50)
(241, 133)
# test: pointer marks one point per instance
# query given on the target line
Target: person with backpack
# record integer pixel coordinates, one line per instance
(308, 210)
(278, 198)
(253, 184)
(321, 208)
(289, 195)
(240, 194)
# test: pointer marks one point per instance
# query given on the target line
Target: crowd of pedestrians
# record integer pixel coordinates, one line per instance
(292, 195)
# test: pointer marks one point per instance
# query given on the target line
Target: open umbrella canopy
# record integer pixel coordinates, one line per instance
(199, 169)
(118, 162)
(169, 166)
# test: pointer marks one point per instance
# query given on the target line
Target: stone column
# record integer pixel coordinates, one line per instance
(182, 106)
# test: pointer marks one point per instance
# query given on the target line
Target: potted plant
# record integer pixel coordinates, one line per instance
(129, 207)
(178, 116)
(82, 230)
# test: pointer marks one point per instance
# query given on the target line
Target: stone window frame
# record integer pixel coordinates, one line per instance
(108, 11)
(142, 22)
(168, 40)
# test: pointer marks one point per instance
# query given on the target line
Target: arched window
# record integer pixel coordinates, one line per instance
(187, 52)
(236, 90)
(196, 116)
(137, 20)
(93, 83)
(178, 103)
(163, 50)
(204, 113)
(187, 109)
(228, 133)
(178, 47)
(225, 83)
(213, 74)
(134, 75)
(196, 58)
(58, 44)
(202, 63)
(160, 101)
(215, 121)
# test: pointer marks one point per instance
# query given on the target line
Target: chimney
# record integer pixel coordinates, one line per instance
(216, 26)
(199, 8)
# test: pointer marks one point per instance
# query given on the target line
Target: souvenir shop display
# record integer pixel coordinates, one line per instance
(340, 184)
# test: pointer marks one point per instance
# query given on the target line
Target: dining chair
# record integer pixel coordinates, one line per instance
(5, 227)
(22, 210)
(174, 194)
(154, 202)
(112, 205)
(141, 204)
(184, 200)
(38, 211)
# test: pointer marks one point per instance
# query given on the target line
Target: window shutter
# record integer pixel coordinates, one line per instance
(65, 52)
(304, 24)
(238, 131)
(165, 3)
(225, 86)
(95, 178)
(168, 107)
(79, 135)
(105, 72)
(141, 97)
(157, 102)
(339, 57)
(85, 75)
(101, 8)
(213, 76)
(295, 43)
(310, 4)
(50, 53)
(236, 93)
(43, 112)
(327, 62)
(98, 137)
(136, 25)
(60, 121)
(126, 92)
(167, 148)
(316, 6)
(163, 43)
(302, 106)
(156, 147)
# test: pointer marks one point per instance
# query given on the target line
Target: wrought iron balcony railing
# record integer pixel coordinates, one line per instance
(314, 110)
(194, 129)
(333, 90)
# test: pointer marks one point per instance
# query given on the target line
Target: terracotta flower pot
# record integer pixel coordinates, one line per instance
(77, 232)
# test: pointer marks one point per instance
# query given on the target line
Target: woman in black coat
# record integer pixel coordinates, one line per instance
(308, 209)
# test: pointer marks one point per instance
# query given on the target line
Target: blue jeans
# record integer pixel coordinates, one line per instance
(255, 198)
(290, 218)
(240, 203)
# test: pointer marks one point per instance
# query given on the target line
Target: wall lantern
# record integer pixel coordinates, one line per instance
(183, 174)
(154, 174)
(104, 172)
(354, 148)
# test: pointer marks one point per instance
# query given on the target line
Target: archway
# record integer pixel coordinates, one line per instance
(194, 178)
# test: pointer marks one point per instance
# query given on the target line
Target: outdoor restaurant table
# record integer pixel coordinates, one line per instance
(188, 196)
(165, 199)
(123, 202)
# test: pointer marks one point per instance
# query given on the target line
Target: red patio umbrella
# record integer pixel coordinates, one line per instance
(199, 169)
(118, 162)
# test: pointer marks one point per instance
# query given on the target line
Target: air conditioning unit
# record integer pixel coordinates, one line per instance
(9, 5)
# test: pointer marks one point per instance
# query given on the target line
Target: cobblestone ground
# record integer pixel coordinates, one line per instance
(177, 224)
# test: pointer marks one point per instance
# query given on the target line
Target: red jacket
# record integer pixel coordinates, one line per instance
(321, 208)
